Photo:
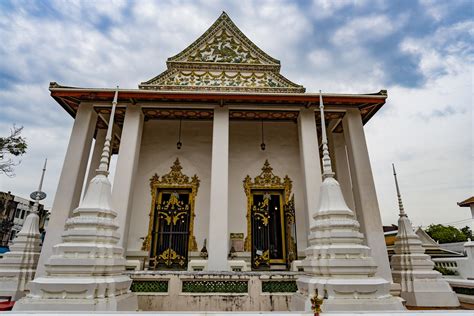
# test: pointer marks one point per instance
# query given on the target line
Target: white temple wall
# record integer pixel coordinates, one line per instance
(246, 158)
(157, 153)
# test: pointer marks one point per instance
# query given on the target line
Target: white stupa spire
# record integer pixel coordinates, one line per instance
(413, 269)
(338, 264)
(326, 160)
(400, 203)
(18, 266)
(92, 278)
(105, 157)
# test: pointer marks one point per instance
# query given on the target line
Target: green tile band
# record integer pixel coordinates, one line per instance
(215, 286)
(149, 286)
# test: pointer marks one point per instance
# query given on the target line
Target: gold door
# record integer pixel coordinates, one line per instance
(268, 229)
(170, 232)
(171, 226)
(271, 235)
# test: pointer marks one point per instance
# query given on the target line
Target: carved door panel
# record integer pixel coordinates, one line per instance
(290, 228)
(170, 232)
(268, 230)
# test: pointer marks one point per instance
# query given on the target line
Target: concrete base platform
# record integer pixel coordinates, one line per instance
(302, 302)
(431, 299)
(371, 294)
(125, 302)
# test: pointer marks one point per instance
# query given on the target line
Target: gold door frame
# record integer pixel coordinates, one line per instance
(265, 181)
(175, 179)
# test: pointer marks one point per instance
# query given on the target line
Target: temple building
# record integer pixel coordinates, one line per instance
(218, 161)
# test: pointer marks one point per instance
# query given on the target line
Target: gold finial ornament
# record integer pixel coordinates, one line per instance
(316, 302)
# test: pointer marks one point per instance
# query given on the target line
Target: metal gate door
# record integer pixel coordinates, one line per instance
(170, 233)
(268, 230)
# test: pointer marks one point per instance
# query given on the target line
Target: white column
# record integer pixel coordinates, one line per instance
(96, 152)
(71, 180)
(310, 163)
(219, 203)
(365, 197)
(124, 180)
(342, 168)
(472, 216)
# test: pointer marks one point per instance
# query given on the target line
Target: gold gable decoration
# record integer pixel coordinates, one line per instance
(266, 180)
(222, 59)
(223, 48)
(175, 179)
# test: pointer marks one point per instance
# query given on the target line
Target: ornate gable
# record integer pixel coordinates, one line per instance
(222, 59)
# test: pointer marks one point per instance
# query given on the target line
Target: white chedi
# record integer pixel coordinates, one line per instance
(338, 265)
(421, 286)
(18, 266)
(86, 270)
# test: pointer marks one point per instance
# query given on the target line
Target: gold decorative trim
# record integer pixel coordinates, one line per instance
(222, 59)
(175, 179)
(265, 181)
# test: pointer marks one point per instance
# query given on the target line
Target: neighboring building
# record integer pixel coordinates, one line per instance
(13, 212)
(469, 202)
(229, 148)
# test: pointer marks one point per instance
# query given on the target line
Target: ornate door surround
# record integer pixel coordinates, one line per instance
(268, 182)
(175, 180)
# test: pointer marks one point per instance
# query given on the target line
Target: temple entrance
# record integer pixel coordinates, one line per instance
(271, 233)
(170, 232)
(268, 242)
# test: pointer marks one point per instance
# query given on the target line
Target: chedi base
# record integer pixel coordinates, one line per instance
(345, 295)
(79, 294)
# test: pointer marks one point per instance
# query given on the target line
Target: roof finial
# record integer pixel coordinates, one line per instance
(327, 168)
(400, 204)
(104, 160)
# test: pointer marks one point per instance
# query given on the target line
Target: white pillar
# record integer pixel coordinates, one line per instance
(71, 180)
(342, 168)
(365, 197)
(219, 203)
(472, 216)
(96, 152)
(310, 163)
(124, 179)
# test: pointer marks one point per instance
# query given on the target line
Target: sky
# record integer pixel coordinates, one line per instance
(422, 52)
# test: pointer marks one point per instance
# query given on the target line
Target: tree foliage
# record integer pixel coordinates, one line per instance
(11, 147)
(445, 234)
(467, 231)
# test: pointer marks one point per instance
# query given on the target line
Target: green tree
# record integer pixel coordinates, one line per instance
(445, 234)
(467, 232)
(11, 147)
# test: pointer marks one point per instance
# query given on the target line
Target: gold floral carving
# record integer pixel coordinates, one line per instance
(224, 78)
(223, 48)
(265, 181)
(175, 179)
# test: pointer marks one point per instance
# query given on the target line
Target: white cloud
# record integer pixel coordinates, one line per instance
(438, 52)
(429, 148)
(364, 28)
(433, 157)
(327, 8)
